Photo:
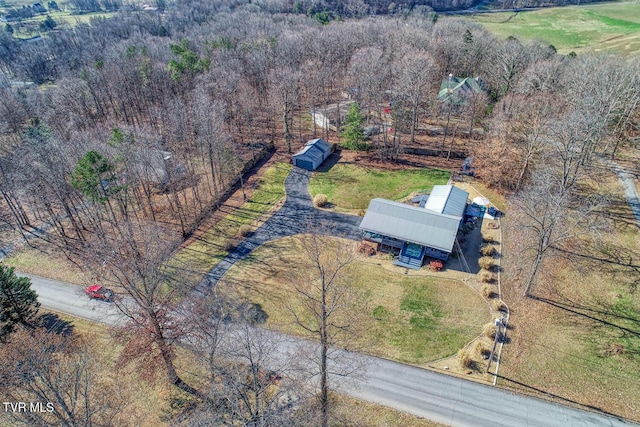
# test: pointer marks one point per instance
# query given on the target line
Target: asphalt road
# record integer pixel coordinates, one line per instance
(630, 191)
(442, 398)
(70, 299)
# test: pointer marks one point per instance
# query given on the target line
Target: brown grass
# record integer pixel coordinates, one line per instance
(575, 334)
(142, 403)
(48, 262)
(348, 411)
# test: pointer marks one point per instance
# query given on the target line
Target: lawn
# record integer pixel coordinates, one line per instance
(611, 27)
(580, 339)
(407, 318)
(352, 187)
(196, 259)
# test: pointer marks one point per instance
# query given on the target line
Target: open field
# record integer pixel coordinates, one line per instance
(613, 27)
(578, 339)
(349, 186)
(412, 319)
(208, 249)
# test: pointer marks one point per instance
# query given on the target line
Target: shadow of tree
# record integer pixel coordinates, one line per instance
(53, 323)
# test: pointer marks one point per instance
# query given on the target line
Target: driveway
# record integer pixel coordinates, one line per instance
(296, 216)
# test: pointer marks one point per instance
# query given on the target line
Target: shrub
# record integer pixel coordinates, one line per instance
(244, 230)
(486, 276)
(488, 238)
(464, 359)
(229, 245)
(480, 350)
(435, 265)
(487, 291)
(486, 262)
(489, 330)
(320, 200)
(487, 250)
(497, 305)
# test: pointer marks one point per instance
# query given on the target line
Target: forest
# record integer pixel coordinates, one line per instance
(123, 132)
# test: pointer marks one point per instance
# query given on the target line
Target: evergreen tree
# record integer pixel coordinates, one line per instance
(18, 302)
(353, 134)
(92, 176)
(48, 24)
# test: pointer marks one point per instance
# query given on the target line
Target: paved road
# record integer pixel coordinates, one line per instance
(442, 398)
(71, 299)
(296, 216)
(630, 191)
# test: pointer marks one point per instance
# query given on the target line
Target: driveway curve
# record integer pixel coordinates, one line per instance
(296, 216)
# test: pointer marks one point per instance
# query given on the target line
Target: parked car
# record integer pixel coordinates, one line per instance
(99, 292)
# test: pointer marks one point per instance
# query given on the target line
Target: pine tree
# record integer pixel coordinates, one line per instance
(352, 133)
(18, 302)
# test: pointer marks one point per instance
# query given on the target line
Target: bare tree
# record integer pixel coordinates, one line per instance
(55, 376)
(551, 215)
(135, 261)
(323, 302)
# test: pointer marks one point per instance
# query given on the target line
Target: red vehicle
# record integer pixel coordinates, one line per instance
(99, 292)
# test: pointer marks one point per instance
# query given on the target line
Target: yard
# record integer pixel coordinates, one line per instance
(578, 339)
(412, 319)
(202, 253)
(611, 27)
(351, 187)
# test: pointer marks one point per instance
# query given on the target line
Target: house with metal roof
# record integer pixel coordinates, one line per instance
(416, 232)
(312, 155)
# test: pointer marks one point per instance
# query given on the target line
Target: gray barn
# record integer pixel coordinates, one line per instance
(312, 155)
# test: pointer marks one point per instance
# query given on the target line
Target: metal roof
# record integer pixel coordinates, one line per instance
(315, 151)
(447, 199)
(411, 224)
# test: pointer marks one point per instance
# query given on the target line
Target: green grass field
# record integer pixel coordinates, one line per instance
(352, 187)
(613, 27)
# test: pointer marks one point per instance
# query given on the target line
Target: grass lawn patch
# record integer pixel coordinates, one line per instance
(352, 187)
(195, 260)
(608, 26)
(410, 319)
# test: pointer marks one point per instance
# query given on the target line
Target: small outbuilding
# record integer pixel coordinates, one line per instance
(312, 155)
